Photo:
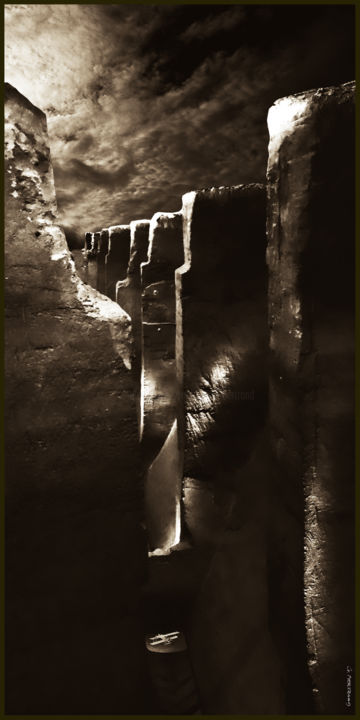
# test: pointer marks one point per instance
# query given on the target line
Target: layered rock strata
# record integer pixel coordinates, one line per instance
(75, 550)
(311, 312)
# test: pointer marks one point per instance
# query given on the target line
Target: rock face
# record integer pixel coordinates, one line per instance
(128, 295)
(311, 311)
(117, 258)
(221, 294)
(158, 315)
(75, 548)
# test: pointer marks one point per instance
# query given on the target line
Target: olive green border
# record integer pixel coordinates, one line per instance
(356, 676)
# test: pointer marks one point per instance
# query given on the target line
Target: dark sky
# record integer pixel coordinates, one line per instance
(145, 103)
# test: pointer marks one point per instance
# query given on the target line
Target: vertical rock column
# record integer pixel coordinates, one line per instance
(91, 271)
(221, 328)
(311, 310)
(95, 242)
(158, 310)
(88, 240)
(93, 275)
(103, 247)
(117, 258)
(222, 348)
(159, 393)
(75, 550)
(128, 295)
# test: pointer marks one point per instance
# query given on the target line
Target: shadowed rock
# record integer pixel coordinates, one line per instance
(311, 312)
(75, 550)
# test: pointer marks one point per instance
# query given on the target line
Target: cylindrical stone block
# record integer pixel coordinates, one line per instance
(311, 312)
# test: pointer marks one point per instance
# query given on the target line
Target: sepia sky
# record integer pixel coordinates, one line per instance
(145, 103)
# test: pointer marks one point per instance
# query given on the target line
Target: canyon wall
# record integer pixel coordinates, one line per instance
(75, 548)
(213, 401)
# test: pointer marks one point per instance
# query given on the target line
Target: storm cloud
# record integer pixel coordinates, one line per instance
(145, 103)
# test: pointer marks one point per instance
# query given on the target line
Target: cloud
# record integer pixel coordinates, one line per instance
(213, 25)
(90, 175)
(147, 102)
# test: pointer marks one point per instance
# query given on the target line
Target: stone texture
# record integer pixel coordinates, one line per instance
(311, 312)
(75, 550)
(221, 294)
(158, 314)
(128, 295)
(117, 258)
(221, 331)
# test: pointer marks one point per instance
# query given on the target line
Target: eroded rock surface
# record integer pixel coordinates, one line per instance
(311, 313)
(222, 370)
(75, 548)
